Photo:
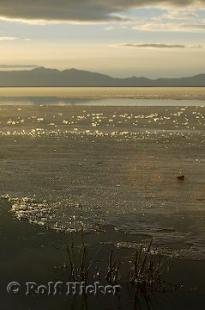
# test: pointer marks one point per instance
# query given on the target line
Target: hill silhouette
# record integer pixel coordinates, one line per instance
(42, 77)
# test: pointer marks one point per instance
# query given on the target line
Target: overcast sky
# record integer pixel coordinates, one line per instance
(123, 38)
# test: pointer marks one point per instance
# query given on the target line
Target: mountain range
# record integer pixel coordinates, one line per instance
(45, 77)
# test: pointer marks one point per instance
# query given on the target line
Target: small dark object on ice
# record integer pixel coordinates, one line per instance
(181, 177)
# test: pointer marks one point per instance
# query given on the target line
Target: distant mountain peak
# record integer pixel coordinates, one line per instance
(43, 69)
(38, 69)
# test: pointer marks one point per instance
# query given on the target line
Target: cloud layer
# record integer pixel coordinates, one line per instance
(5, 38)
(80, 10)
(153, 45)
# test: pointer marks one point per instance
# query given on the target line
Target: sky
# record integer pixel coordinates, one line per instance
(151, 38)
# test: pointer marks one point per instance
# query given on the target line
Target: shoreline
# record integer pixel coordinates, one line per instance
(106, 92)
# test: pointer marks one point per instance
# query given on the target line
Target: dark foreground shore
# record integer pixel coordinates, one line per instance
(33, 254)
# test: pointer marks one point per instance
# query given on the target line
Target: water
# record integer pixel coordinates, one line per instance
(111, 102)
(107, 167)
(104, 96)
